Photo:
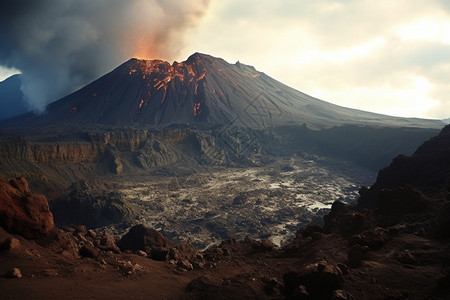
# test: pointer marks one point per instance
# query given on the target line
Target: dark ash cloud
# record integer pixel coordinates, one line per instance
(60, 45)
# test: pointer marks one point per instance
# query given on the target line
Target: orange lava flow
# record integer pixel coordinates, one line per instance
(197, 108)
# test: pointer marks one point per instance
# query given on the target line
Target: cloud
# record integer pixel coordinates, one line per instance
(60, 45)
(372, 55)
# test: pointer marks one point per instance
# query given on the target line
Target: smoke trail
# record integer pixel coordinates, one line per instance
(60, 45)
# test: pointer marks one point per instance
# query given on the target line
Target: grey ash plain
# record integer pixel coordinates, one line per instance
(207, 204)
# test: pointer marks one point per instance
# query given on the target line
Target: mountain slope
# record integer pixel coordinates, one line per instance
(203, 90)
(11, 98)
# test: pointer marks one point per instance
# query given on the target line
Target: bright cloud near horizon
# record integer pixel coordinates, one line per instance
(390, 57)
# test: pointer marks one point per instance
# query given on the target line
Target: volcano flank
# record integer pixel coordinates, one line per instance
(201, 91)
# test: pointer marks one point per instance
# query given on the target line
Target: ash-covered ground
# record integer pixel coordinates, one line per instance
(208, 204)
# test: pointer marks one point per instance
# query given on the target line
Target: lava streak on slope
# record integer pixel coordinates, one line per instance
(159, 75)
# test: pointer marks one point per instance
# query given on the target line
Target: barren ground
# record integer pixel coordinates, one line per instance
(208, 204)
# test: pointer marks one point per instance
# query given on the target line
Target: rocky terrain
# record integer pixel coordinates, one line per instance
(392, 244)
(197, 179)
(194, 185)
(265, 202)
(199, 147)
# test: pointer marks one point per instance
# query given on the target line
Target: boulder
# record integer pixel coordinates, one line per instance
(185, 264)
(343, 219)
(159, 253)
(106, 242)
(146, 239)
(22, 212)
(13, 273)
(89, 250)
(10, 244)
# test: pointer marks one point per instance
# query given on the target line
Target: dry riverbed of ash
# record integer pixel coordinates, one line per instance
(270, 202)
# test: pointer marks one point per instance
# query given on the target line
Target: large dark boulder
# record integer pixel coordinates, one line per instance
(345, 220)
(140, 237)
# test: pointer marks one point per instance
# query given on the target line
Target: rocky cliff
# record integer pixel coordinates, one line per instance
(427, 170)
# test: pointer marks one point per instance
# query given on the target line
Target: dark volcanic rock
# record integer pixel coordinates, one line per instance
(401, 200)
(319, 284)
(89, 251)
(140, 237)
(443, 222)
(427, 170)
(22, 212)
(91, 209)
(344, 219)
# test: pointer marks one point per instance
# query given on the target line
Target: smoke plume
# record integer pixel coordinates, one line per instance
(60, 45)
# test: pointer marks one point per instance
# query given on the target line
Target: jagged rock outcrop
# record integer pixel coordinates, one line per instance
(403, 182)
(22, 212)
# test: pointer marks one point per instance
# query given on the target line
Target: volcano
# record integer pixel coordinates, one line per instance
(201, 91)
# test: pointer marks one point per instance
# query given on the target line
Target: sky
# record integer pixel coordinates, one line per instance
(390, 57)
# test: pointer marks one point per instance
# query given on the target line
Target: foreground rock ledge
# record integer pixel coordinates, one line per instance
(22, 212)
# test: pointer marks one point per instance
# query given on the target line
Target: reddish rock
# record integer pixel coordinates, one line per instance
(10, 244)
(22, 212)
(106, 242)
(89, 251)
(13, 273)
